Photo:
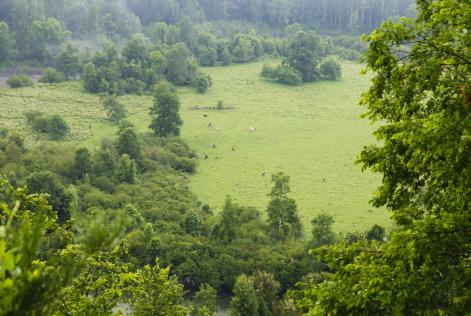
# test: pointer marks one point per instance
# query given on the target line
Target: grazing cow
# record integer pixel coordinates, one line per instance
(205, 156)
(204, 115)
(217, 129)
(210, 124)
(252, 129)
(214, 146)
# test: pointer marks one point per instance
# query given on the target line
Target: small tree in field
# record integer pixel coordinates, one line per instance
(52, 76)
(58, 128)
(116, 111)
(165, 114)
(331, 70)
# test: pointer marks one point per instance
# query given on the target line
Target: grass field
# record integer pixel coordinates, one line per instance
(312, 132)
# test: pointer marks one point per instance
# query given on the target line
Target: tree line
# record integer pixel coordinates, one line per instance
(36, 30)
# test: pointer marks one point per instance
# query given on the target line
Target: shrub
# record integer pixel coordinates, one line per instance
(19, 81)
(53, 125)
(116, 111)
(202, 83)
(267, 72)
(52, 76)
(331, 70)
(283, 74)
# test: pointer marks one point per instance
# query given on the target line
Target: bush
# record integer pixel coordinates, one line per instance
(19, 81)
(331, 70)
(202, 83)
(283, 74)
(52, 76)
(53, 125)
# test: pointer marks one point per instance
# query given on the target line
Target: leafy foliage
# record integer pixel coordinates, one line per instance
(282, 210)
(283, 74)
(19, 81)
(52, 76)
(53, 125)
(421, 95)
(115, 110)
(165, 111)
(330, 70)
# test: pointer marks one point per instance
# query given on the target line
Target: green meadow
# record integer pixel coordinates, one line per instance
(312, 133)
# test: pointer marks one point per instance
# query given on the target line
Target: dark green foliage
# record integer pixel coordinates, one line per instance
(6, 42)
(229, 224)
(267, 289)
(245, 300)
(41, 28)
(128, 142)
(82, 162)
(60, 265)
(181, 69)
(48, 182)
(52, 76)
(282, 210)
(283, 74)
(208, 56)
(165, 114)
(204, 302)
(19, 81)
(245, 48)
(202, 83)
(156, 293)
(304, 53)
(54, 125)
(58, 128)
(330, 70)
(226, 57)
(376, 233)
(193, 224)
(126, 171)
(423, 152)
(115, 110)
(68, 63)
(322, 234)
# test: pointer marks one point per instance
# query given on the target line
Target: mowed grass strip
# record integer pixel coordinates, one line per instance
(312, 132)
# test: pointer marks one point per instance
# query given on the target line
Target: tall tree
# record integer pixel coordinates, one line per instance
(128, 142)
(165, 114)
(322, 234)
(303, 53)
(282, 210)
(245, 300)
(6, 42)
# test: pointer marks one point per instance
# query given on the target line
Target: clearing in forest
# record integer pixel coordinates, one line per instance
(311, 132)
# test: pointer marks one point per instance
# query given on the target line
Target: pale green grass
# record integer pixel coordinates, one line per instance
(312, 132)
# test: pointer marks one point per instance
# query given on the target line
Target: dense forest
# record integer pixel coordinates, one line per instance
(37, 29)
(116, 229)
